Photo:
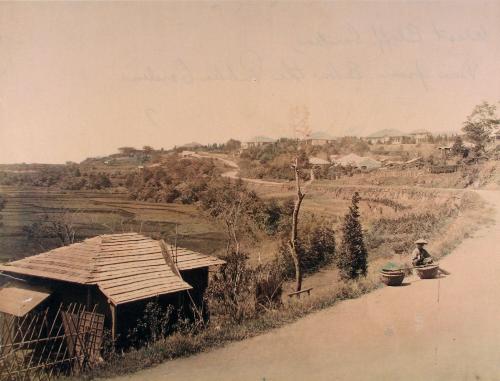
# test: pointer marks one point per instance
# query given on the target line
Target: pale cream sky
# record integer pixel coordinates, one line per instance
(81, 79)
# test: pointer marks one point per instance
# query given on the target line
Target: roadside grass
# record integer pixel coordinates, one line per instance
(182, 344)
(473, 214)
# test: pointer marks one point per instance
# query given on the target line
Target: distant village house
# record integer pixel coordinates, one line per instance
(392, 136)
(360, 162)
(318, 139)
(420, 136)
(257, 141)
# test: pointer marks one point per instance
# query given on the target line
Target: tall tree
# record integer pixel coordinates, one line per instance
(238, 208)
(294, 241)
(479, 126)
(352, 259)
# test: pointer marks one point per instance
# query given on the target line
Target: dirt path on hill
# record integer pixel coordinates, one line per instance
(234, 173)
(440, 329)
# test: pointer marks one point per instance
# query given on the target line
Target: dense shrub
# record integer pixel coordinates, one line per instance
(98, 181)
(73, 183)
(268, 280)
(67, 177)
(316, 246)
(277, 216)
(154, 325)
(237, 291)
(231, 292)
(44, 176)
(178, 180)
(61, 230)
(268, 164)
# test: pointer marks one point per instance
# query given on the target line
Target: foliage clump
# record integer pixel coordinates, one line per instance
(479, 126)
(61, 230)
(177, 180)
(66, 177)
(153, 325)
(231, 292)
(316, 246)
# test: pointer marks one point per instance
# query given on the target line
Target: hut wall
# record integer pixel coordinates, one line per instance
(198, 279)
(66, 293)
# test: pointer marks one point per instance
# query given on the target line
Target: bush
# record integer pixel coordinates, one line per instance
(99, 181)
(273, 161)
(154, 325)
(231, 293)
(73, 183)
(60, 229)
(316, 246)
(67, 177)
(178, 180)
(268, 285)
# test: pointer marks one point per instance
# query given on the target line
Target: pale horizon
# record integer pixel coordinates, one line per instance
(81, 79)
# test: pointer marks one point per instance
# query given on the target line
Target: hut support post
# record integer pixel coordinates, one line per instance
(89, 297)
(113, 322)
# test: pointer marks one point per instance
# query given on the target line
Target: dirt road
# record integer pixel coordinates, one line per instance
(440, 329)
(234, 173)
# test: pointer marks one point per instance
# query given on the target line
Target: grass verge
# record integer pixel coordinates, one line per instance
(183, 344)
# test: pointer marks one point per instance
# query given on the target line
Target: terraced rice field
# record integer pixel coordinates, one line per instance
(94, 213)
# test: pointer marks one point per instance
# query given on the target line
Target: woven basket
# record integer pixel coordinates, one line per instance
(427, 272)
(392, 277)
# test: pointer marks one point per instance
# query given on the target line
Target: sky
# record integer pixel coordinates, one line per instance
(82, 79)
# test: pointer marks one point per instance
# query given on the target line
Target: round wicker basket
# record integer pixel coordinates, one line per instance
(392, 277)
(428, 271)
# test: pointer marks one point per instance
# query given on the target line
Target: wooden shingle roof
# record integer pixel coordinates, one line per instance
(188, 260)
(126, 267)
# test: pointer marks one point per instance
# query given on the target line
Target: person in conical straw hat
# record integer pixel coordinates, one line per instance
(420, 255)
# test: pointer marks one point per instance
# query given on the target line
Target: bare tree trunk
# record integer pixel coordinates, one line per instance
(295, 220)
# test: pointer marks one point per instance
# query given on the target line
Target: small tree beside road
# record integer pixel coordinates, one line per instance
(352, 258)
(294, 240)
